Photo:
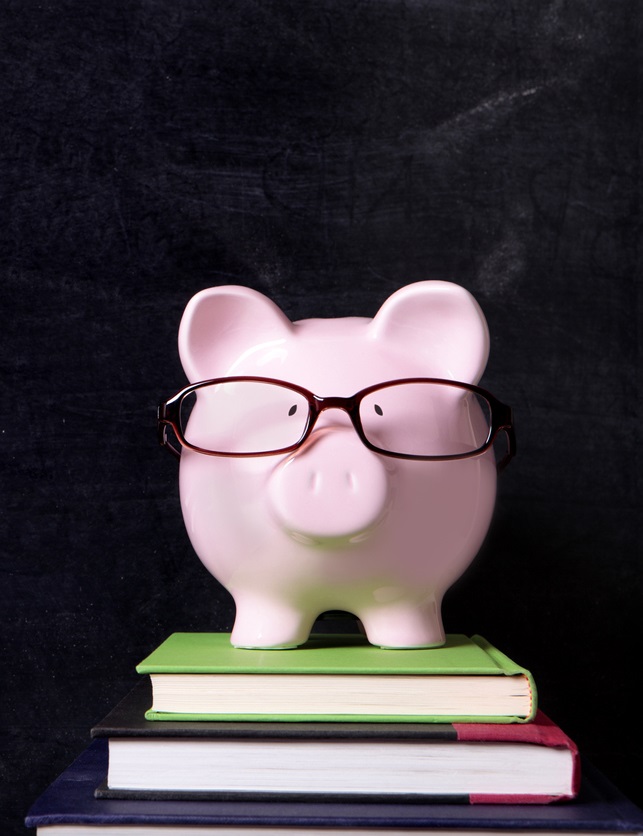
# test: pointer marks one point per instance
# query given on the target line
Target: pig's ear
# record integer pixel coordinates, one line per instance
(221, 323)
(441, 324)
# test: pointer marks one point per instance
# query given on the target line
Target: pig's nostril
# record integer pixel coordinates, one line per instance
(315, 482)
(351, 481)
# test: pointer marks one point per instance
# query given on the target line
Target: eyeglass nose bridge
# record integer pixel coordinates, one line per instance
(348, 405)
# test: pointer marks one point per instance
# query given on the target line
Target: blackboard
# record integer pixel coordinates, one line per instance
(325, 153)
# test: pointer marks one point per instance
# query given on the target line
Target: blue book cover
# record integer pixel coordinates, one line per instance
(70, 800)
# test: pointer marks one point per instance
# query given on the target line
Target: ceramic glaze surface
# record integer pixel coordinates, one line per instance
(333, 525)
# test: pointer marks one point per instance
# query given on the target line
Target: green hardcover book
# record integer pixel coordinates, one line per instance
(201, 676)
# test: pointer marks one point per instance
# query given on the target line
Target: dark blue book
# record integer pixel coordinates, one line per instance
(69, 808)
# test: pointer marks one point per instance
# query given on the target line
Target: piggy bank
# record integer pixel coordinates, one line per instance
(336, 464)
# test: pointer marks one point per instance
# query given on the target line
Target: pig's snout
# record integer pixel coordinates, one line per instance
(333, 487)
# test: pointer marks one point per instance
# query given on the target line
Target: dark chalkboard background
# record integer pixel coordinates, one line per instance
(325, 153)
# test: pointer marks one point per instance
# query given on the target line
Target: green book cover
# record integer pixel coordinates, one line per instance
(195, 654)
(326, 654)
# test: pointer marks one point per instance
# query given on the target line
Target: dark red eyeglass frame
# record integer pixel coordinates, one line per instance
(501, 418)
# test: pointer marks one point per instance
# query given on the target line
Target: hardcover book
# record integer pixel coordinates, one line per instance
(68, 808)
(201, 676)
(461, 762)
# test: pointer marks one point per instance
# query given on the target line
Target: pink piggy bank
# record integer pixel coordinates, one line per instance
(336, 464)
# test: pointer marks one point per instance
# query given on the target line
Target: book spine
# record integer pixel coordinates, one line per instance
(510, 668)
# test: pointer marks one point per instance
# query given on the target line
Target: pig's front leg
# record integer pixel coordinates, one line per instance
(269, 622)
(404, 624)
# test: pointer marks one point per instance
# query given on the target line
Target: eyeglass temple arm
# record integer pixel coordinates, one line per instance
(163, 424)
(510, 452)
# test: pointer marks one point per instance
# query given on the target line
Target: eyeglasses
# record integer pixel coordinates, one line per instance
(427, 419)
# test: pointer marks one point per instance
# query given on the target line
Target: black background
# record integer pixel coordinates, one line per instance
(325, 153)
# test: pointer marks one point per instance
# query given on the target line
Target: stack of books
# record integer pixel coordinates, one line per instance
(337, 735)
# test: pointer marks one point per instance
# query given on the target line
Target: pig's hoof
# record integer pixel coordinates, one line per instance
(402, 627)
(270, 627)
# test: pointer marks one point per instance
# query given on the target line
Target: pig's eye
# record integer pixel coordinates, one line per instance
(292, 409)
(378, 409)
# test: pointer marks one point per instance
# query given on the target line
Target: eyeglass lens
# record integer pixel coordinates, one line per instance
(421, 419)
(244, 417)
(426, 419)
